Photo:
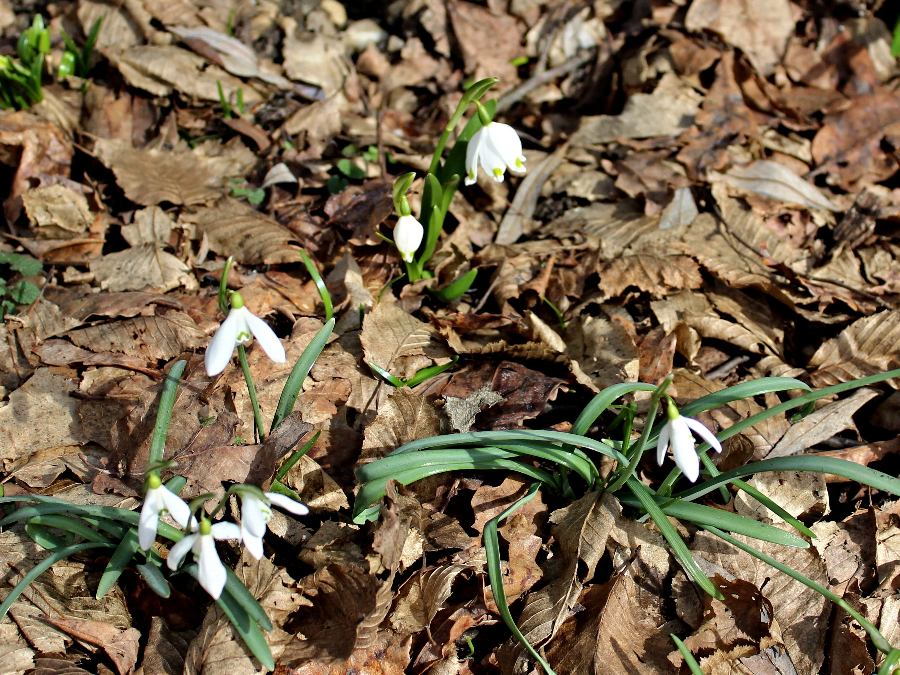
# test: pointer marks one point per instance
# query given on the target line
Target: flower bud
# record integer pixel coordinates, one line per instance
(408, 234)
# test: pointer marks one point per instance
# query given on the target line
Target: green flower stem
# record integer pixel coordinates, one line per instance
(880, 642)
(637, 451)
(251, 392)
(890, 662)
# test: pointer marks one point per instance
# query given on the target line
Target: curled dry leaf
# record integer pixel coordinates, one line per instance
(582, 529)
(405, 416)
(161, 69)
(824, 423)
(57, 212)
(42, 151)
(800, 611)
(775, 181)
(422, 596)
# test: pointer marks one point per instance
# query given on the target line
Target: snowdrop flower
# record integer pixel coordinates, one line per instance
(157, 500)
(237, 328)
(202, 543)
(677, 434)
(495, 147)
(408, 234)
(256, 513)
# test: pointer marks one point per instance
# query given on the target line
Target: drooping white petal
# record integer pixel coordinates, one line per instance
(253, 543)
(683, 449)
(210, 570)
(473, 152)
(288, 504)
(179, 550)
(408, 235)
(492, 162)
(704, 433)
(505, 142)
(254, 516)
(224, 530)
(176, 506)
(662, 444)
(149, 519)
(266, 337)
(221, 347)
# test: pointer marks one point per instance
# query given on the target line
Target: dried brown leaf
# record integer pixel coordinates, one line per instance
(668, 111)
(217, 650)
(800, 611)
(398, 342)
(121, 646)
(405, 416)
(144, 267)
(822, 424)
(160, 69)
(582, 529)
(621, 630)
(653, 274)
(761, 28)
(235, 229)
(867, 346)
(851, 143)
(42, 151)
(155, 338)
(57, 212)
(775, 181)
(476, 30)
(41, 414)
(422, 596)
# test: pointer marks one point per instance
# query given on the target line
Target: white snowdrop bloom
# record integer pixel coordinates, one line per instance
(677, 435)
(255, 516)
(495, 147)
(159, 499)
(237, 328)
(202, 543)
(408, 234)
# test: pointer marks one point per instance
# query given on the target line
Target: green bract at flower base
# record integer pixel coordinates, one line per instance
(563, 463)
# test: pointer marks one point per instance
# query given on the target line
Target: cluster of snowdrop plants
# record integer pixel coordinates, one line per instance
(188, 529)
(566, 464)
(482, 145)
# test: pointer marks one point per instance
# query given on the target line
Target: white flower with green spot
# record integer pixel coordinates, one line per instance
(158, 500)
(677, 435)
(256, 514)
(202, 543)
(495, 148)
(238, 328)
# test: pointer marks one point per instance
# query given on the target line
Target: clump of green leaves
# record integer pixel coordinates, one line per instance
(20, 79)
(349, 167)
(566, 463)
(254, 195)
(77, 60)
(230, 111)
(20, 292)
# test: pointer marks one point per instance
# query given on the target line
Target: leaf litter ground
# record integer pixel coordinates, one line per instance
(712, 192)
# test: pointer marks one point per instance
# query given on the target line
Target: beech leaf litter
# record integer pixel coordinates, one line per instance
(713, 192)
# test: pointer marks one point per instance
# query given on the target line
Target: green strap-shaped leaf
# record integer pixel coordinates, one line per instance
(301, 369)
(495, 574)
(676, 543)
